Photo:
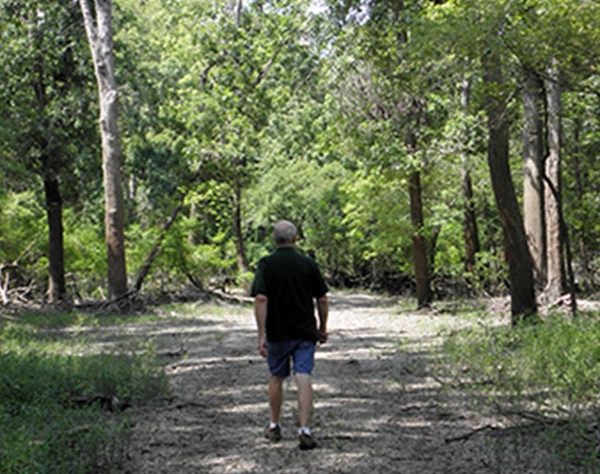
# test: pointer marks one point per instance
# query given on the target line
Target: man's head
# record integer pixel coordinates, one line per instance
(284, 234)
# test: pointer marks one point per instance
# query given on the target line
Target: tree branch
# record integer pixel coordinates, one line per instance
(267, 67)
(88, 21)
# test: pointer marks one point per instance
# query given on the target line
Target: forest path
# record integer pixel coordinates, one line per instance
(377, 409)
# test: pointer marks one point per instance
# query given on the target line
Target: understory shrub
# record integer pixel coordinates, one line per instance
(548, 373)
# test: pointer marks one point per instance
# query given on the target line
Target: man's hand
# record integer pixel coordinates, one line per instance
(323, 336)
(262, 347)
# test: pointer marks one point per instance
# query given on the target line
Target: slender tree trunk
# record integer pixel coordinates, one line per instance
(520, 265)
(131, 199)
(471, 233)
(533, 171)
(100, 37)
(583, 252)
(57, 287)
(238, 13)
(237, 230)
(192, 238)
(56, 256)
(556, 273)
(424, 294)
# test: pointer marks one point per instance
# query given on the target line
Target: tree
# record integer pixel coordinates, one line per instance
(556, 265)
(472, 246)
(46, 109)
(100, 36)
(533, 172)
(522, 291)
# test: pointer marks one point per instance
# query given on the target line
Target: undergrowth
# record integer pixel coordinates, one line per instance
(62, 405)
(546, 373)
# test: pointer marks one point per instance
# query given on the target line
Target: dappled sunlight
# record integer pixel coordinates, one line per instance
(376, 407)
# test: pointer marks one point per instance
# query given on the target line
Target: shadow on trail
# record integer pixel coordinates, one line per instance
(376, 410)
(338, 301)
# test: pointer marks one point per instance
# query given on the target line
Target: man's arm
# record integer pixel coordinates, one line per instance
(323, 311)
(260, 313)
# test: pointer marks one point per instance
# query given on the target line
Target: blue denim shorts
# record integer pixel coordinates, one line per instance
(279, 355)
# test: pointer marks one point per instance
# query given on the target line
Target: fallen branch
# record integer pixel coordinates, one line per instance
(468, 435)
(231, 298)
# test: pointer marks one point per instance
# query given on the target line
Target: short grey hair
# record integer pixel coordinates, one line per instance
(284, 232)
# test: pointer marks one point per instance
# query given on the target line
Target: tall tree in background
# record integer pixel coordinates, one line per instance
(533, 172)
(100, 37)
(46, 109)
(471, 233)
(520, 265)
(556, 268)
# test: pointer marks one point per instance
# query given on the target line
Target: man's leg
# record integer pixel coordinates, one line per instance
(305, 398)
(275, 397)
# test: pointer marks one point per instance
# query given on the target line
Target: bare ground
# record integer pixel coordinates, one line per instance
(377, 407)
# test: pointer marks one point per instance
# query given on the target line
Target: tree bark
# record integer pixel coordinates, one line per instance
(192, 238)
(533, 170)
(472, 245)
(520, 265)
(424, 294)
(583, 251)
(556, 284)
(100, 37)
(242, 259)
(56, 255)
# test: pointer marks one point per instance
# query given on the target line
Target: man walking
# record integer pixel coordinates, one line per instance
(284, 288)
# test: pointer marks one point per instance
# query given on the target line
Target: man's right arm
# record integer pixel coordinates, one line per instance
(323, 312)
(260, 312)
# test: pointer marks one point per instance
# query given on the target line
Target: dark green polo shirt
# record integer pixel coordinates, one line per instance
(290, 281)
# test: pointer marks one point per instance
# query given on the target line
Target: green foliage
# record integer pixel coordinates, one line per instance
(42, 375)
(21, 222)
(304, 115)
(549, 370)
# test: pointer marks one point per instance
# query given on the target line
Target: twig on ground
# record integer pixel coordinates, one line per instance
(231, 298)
(468, 435)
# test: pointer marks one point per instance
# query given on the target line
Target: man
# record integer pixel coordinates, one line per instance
(284, 287)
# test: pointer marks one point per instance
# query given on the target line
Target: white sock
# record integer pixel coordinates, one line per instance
(305, 430)
(272, 425)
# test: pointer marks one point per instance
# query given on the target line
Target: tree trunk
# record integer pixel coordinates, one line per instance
(192, 238)
(100, 37)
(56, 255)
(424, 294)
(237, 230)
(556, 274)
(471, 233)
(131, 189)
(533, 170)
(56, 288)
(520, 265)
(583, 251)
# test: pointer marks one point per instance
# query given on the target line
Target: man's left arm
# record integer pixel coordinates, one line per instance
(323, 312)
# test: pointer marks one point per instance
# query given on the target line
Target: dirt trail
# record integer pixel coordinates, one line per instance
(377, 410)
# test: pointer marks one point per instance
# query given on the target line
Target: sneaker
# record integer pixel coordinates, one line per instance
(307, 442)
(273, 434)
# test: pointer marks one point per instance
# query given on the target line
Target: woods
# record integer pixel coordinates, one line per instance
(439, 155)
(363, 123)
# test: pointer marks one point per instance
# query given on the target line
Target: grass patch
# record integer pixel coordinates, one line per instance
(75, 319)
(547, 372)
(54, 416)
